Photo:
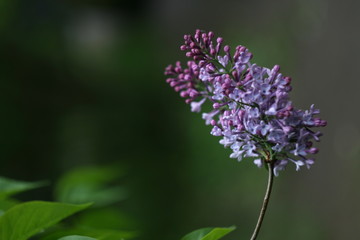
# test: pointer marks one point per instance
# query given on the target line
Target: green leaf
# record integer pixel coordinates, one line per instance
(76, 237)
(99, 234)
(26, 219)
(208, 233)
(107, 234)
(6, 204)
(90, 184)
(106, 218)
(9, 187)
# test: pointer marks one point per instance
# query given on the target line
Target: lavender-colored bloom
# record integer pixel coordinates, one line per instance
(208, 117)
(252, 111)
(258, 162)
(216, 131)
(279, 166)
(196, 106)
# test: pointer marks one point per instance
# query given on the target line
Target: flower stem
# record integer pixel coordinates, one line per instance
(266, 201)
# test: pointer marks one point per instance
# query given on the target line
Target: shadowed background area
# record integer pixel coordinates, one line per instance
(82, 84)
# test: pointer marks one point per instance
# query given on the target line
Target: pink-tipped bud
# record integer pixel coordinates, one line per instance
(287, 129)
(276, 68)
(323, 123)
(195, 51)
(217, 79)
(224, 86)
(228, 79)
(235, 74)
(248, 77)
(216, 105)
(219, 40)
(319, 122)
(187, 77)
(313, 150)
(189, 100)
(184, 94)
(178, 69)
(227, 49)
(242, 48)
(211, 34)
(192, 65)
(206, 41)
(197, 34)
(189, 54)
(173, 83)
(240, 127)
(183, 47)
(210, 68)
(241, 114)
(236, 55)
(178, 88)
(287, 80)
(213, 122)
(169, 68)
(193, 93)
(201, 63)
(289, 108)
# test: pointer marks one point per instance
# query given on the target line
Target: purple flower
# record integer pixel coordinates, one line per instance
(196, 106)
(258, 162)
(208, 117)
(252, 112)
(279, 166)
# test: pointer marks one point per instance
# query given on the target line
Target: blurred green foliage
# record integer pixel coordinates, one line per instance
(76, 237)
(208, 233)
(9, 187)
(90, 185)
(19, 221)
(27, 219)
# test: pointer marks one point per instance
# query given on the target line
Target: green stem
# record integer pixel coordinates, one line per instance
(266, 201)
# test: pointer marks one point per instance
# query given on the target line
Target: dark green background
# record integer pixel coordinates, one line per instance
(82, 84)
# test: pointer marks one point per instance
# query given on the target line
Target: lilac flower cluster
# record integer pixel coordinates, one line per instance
(251, 109)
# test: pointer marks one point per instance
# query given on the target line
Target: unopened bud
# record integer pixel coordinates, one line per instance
(216, 105)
